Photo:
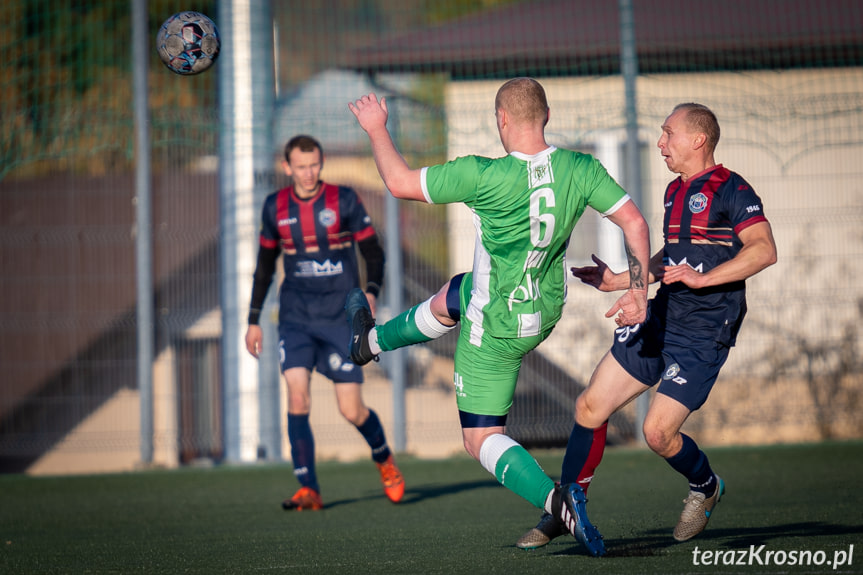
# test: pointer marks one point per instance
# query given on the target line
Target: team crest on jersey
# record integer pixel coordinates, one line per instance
(697, 203)
(539, 172)
(327, 217)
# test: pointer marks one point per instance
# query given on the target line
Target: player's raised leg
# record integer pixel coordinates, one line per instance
(423, 322)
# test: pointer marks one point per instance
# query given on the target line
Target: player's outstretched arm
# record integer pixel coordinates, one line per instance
(400, 180)
(631, 307)
(757, 253)
(601, 276)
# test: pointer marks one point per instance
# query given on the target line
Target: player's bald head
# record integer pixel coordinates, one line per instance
(524, 100)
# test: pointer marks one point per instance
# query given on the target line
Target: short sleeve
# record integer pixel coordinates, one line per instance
(454, 181)
(603, 193)
(744, 207)
(359, 223)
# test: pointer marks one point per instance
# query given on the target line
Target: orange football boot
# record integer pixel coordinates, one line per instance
(391, 477)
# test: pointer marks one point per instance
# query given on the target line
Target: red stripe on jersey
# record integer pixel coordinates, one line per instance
(675, 189)
(283, 213)
(364, 234)
(307, 223)
(331, 203)
(743, 225)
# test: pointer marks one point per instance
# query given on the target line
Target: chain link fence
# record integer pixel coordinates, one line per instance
(792, 125)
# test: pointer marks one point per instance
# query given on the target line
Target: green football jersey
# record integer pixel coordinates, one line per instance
(524, 209)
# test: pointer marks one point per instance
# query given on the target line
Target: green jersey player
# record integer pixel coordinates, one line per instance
(524, 207)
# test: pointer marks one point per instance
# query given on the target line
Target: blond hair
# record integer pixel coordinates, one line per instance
(524, 100)
(699, 118)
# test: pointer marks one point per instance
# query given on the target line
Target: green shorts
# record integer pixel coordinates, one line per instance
(485, 375)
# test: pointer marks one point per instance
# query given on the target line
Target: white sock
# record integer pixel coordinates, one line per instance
(548, 501)
(373, 341)
(428, 324)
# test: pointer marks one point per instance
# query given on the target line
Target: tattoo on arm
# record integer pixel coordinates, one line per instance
(636, 270)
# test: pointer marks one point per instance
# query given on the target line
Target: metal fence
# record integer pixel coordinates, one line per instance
(787, 92)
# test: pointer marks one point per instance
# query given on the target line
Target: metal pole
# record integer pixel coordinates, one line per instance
(245, 87)
(629, 70)
(269, 376)
(143, 238)
(395, 284)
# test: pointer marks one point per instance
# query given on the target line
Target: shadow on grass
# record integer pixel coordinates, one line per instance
(761, 535)
(423, 492)
(655, 542)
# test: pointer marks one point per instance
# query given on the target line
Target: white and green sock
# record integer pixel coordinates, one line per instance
(416, 325)
(516, 469)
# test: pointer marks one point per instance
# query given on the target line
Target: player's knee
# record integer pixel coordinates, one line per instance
(586, 412)
(657, 439)
(472, 450)
(356, 415)
(298, 404)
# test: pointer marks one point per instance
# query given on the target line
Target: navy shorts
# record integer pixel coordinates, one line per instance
(321, 347)
(685, 366)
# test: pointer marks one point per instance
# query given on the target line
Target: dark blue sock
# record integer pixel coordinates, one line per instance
(303, 450)
(692, 464)
(577, 450)
(373, 432)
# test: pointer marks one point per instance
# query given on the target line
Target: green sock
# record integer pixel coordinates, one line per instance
(400, 331)
(516, 469)
(416, 325)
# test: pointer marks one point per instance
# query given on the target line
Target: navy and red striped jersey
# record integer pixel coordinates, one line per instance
(703, 217)
(316, 237)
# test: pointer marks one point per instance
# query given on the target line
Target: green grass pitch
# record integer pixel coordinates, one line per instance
(454, 519)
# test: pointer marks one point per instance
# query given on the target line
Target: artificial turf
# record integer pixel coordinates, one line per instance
(454, 519)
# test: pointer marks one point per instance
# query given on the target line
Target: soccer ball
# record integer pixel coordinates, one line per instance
(188, 43)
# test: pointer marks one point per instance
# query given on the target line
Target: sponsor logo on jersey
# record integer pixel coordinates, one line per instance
(672, 374)
(670, 262)
(327, 217)
(313, 269)
(287, 222)
(697, 203)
